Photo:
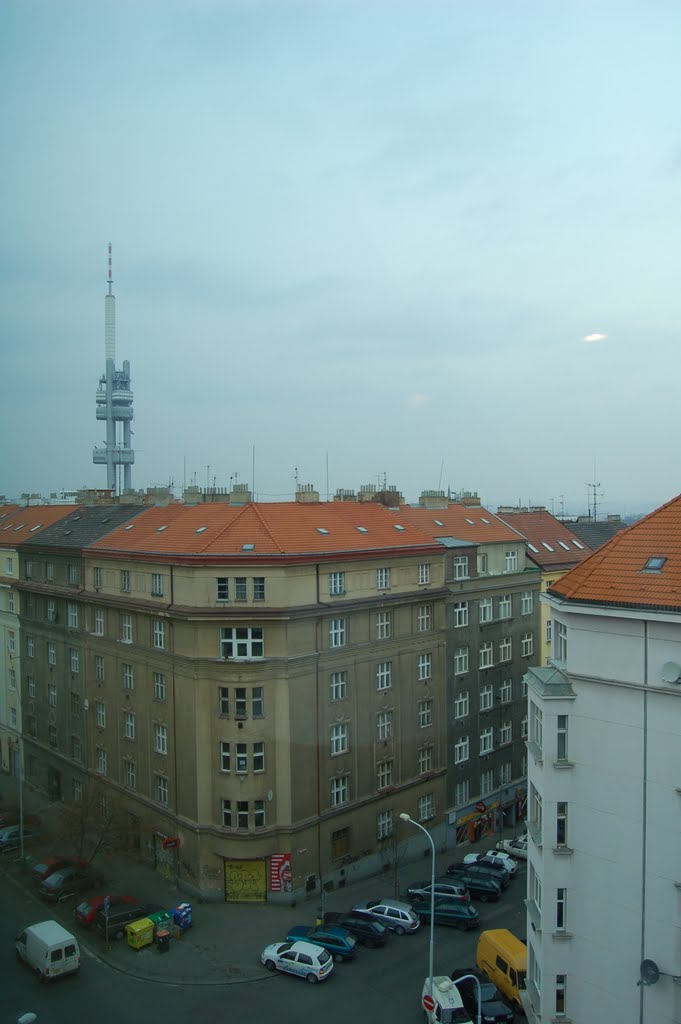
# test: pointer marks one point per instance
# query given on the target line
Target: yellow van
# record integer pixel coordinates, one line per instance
(503, 958)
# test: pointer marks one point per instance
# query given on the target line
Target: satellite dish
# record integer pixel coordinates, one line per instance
(650, 972)
(671, 672)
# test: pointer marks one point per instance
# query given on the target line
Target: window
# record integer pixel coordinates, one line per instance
(461, 750)
(13, 719)
(526, 602)
(486, 609)
(72, 615)
(126, 628)
(257, 702)
(462, 794)
(535, 888)
(461, 705)
(535, 807)
(339, 685)
(506, 691)
(225, 757)
(259, 757)
(51, 653)
(226, 811)
(242, 814)
(505, 606)
(99, 622)
(486, 697)
(29, 569)
(561, 737)
(258, 591)
(426, 807)
(487, 740)
(52, 695)
(425, 760)
(425, 618)
(30, 683)
(157, 584)
(128, 677)
(384, 725)
(526, 645)
(384, 775)
(461, 567)
(460, 660)
(425, 713)
(505, 773)
(384, 825)
(486, 655)
(51, 610)
(382, 579)
(30, 647)
(160, 689)
(101, 761)
(97, 577)
(160, 738)
(240, 702)
(487, 782)
(523, 687)
(461, 613)
(11, 641)
(511, 561)
(125, 581)
(340, 789)
(74, 659)
(259, 813)
(76, 786)
(337, 633)
(383, 675)
(100, 709)
(162, 790)
(425, 667)
(130, 774)
(384, 624)
(241, 588)
(99, 668)
(222, 589)
(241, 758)
(245, 642)
(336, 583)
(424, 573)
(159, 634)
(560, 643)
(561, 910)
(129, 725)
(49, 570)
(506, 732)
(73, 573)
(549, 630)
(505, 649)
(536, 725)
(523, 729)
(561, 985)
(340, 843)
(9, 562)
(75, 703)
(339, 739)
(223, 697)
(561, 823)
(10, 601)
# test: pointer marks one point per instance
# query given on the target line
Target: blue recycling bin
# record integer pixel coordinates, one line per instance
(182, 916)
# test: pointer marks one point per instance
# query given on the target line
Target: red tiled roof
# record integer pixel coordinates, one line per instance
(474, 524)
(617, 574)
(273, 528)
(29, 520)
(551, 544)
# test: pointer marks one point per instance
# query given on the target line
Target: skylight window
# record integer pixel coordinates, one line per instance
(202, 529)
(248, 547)
(470, 521)
(483, 520)
(564, 545)
(533, 548)
(547, 546)
(398, 526)
(322, 529)
(34, 528)
(438, 522)
(129, 526)
(19, 527)
(655, 563)
(160, 529)
(578, 544)
(361, 529)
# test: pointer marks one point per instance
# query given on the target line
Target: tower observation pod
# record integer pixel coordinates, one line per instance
(114, 404)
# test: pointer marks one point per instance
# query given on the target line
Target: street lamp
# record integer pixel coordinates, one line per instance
(406, 817)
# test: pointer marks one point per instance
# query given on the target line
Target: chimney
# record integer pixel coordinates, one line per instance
(240, 495)
(344, 495)
(306, 494)
(469, 498)
(433, 499)
(366, 492)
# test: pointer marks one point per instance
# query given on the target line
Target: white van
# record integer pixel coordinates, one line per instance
(447, 1005)
(48, 949)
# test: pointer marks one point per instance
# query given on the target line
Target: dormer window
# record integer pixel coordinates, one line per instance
(655, 563)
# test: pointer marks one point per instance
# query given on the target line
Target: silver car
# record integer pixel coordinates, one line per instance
(397, 916)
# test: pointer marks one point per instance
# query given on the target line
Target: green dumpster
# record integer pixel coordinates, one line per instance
(161, 920)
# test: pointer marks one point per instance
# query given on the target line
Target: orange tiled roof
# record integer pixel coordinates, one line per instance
(550, 543)
(474, 524)
(621, 573)
(273, 528)
(29, 520)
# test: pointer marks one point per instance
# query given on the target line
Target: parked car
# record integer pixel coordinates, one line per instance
(119, 916)
(10, 840)
(493, 1007)
(46, 867)
(302, 958)
(86, 912)
(516, 848)
(493, 857)
(366, 929)
(447, 911)
(489, 870)
(68, 881)
(480, 887)
(443, 887)
(397, 916)
(339, 942)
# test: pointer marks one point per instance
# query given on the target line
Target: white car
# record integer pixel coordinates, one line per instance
(302, 958)
(515, 847)
(493, 857)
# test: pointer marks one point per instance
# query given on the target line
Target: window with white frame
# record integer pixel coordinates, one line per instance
(157, 584)
(486, 697)
(257, 702)
(424, 573)
(487, 740)
(425, 667)
(241, 588)
(130, 774)
(462, 704)
(241, 759)
(51, 613)
(384, 725)
(523, 687)
(526, 602)
(506, 691)
(340, 790)
(462, 793)
(76, 788)
(125, 581)
(29, 569)
(511, 561)
(160, 688)
(30, 683)
(162, 790)
(535, 888)
(425, 760)
(426, 807)
(99, 668)
(506, 732)
(337, 633)
(461, 613)
(259, 814)
(461, 567)
(526, 645)
(505, 649)
(222, 588)
(100, 709)
(486, 609)
(98, 622)
(384, 774)
(339, 685)
(10, 601)
(49, 570)
(336, 583)
(73, 573)
(561, 823)
(242, 642)
(9, 565)
(460, 660)
(487, 782)
(75, 703)
(505, 773)
(102, 761)
(97, 577)
(339, 738)
(561, 737)
(11, 641)
(560, 642)
(30, 647)
(51, 653)
(425, 618)
(126, 628)
(486, 655)
(128, 676)
(12, 679)
(258, 591)
(74, 659)
(549, 630)
(561, 910)
(258, 756)
(225, 756)
(240, 703)
(536, 725)
(384, 624)
(536, 810)
(561, 995)
(72, 615)
(482, 564)
(382, 579)
(223, 701)
(384, 824)
(523, 728)
(425, 713)
(160, 738)
(505, 606)
(536, 974)
(129, 725)
(461, 750)
(159, 634)
(384, 675)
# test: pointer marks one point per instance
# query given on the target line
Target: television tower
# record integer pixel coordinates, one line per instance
(114, 404)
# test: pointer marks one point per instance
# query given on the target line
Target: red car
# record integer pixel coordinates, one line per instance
(86, 912)
(48, 866)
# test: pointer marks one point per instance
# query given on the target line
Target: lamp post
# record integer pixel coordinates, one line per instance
(406, 817)
(466, 977)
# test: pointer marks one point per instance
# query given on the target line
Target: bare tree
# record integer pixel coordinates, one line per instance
(93, 825)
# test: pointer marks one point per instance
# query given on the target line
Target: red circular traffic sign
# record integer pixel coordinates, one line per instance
(428, 1002)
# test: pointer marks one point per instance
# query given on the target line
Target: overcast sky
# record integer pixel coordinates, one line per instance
(370, 235)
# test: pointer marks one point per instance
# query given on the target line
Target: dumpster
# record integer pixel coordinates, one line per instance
(161, 919)
(182, 916)
(163, 940)
(140, 933)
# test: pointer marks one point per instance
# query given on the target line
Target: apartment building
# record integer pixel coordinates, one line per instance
(604, 881)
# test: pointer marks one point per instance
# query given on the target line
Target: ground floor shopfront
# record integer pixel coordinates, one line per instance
(487, 819)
